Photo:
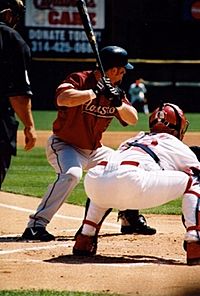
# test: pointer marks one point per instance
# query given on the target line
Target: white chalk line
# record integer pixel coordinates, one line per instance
(12, 207)
(67, 231)
(64, 244)
(21, 250)
(56, 215)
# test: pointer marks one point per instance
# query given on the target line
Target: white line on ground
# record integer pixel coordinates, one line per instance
(23, 260)
(68, 244)
(74, 230)
(13, 235)
(71, 231)
(64, 244)
(57, 215)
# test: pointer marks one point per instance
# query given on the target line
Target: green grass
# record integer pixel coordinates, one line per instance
(44, 120)
(194, 119)
(30, 174)
(49, 293)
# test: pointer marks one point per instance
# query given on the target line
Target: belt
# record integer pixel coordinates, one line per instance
(125, 162)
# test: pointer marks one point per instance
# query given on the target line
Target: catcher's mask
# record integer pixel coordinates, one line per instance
(168, 118)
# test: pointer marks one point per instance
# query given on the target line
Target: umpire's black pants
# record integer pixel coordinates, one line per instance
(5, 160)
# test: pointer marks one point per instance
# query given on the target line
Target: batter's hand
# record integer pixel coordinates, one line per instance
(116, 98)
(102, 84)
(113, 94)
(30, 138)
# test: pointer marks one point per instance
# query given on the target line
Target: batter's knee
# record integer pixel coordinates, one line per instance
(73, 175)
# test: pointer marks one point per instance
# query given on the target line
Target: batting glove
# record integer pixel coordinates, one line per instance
(115, 96)
(102, 84)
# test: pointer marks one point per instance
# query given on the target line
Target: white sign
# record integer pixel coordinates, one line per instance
(60, 41)
(63, 14)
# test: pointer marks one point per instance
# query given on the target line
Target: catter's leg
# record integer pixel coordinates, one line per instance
(86, 237)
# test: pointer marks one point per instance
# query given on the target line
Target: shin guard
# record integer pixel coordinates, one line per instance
(193, 247)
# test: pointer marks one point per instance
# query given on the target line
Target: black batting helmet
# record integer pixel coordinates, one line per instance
(168, 118)
(114, 56)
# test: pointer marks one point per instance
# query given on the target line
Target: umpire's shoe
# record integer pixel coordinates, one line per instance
(132, 222)
(37, 233)
(85, 245)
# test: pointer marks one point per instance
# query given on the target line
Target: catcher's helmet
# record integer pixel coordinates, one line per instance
(114, 56)
(168, 118)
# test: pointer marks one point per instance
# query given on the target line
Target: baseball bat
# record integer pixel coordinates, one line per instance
(83, 12)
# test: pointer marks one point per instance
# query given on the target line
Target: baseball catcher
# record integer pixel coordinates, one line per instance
(148, 170)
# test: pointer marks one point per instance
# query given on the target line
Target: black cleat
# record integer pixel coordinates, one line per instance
(37, 233)
(132, 223)
(145, 230)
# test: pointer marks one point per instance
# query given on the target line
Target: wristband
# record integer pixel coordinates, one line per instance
(91, 94)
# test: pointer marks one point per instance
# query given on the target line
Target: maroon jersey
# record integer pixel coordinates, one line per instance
(82, 126)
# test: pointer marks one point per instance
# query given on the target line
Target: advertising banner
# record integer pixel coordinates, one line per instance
(54, 26)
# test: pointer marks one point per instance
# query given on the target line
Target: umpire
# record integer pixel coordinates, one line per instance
(15, 91)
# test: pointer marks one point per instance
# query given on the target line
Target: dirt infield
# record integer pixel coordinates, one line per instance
(128, 265)
(111, 139)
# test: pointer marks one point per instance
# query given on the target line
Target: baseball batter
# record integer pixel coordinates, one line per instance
(86, 105)
(146, 171)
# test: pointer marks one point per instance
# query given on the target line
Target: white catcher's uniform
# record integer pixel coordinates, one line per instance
(131, 178)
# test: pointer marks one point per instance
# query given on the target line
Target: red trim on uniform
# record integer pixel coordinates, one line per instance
(104, 163)
(88, 222)
(125, 162)
(193, 192)
(130, 162)
(189, 184)
(197, 227)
